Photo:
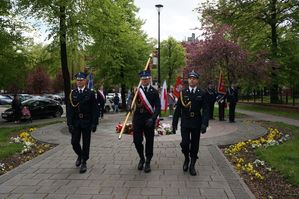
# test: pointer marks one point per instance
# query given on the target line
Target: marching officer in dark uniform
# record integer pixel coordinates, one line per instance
(192, 107)
(82, 118)
(221, 99)
(148, 107)
(211, 93)
(232, 99)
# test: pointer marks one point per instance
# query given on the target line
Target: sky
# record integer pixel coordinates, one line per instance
(177, 18)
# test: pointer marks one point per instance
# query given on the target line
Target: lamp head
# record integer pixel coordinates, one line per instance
(159, 7)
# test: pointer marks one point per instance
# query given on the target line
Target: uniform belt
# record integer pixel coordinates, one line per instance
(83, 116)
(193, 114)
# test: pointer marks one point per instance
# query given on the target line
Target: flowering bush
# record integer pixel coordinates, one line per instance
(31, 148)
(26, 139)
(234, 152)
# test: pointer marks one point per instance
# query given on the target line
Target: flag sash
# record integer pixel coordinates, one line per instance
(145, 102)
(164, 98)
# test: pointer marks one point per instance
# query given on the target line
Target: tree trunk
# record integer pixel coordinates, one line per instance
(63, 55)
(123, 89)
(273, 24)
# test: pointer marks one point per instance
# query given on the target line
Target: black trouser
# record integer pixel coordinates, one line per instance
(232, 108)
(211, 110)
(221, 111)
(76, 136)
(190, 145)
(101, 109)
(139, 130)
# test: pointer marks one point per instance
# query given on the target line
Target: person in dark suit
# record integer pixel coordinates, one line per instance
(211, 93)
(232, 99)
(101, 100)
(192, 107)
(16, 106)
(148, 108)
(82, 118)
(221, 99)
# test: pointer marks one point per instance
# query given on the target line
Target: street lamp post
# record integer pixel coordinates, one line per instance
(159, 7)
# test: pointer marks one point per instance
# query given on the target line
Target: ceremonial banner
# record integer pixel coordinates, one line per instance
(178, 87)
(164, 98)
(221, 84)
(90, 81)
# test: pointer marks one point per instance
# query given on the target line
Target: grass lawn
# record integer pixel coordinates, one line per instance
(8, 149)
(269, 110)
(285, 157)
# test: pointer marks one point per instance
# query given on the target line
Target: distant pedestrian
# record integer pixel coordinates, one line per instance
(82, 118)
(221, 99)
(101, 100)
(171, 102)
(16, 107)
(116, 100)
(211, 93)
(232, 99)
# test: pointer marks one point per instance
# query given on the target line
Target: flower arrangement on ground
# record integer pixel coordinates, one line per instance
(160, 129)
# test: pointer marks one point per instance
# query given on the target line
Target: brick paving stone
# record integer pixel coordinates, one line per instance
(151, 191)
(112, 167)
(77, 196)
(56, 196)
(13, 196)
(32, 196)
(6, 189)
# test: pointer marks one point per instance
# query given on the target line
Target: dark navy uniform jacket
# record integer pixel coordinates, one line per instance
(83, 109)
(141, 112)
(195, 114)
(232, 95)
(211, 94)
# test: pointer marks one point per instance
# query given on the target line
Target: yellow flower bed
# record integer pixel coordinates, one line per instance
(233, 151)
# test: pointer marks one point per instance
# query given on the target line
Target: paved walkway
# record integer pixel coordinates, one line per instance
(112, 168)
(268, 117)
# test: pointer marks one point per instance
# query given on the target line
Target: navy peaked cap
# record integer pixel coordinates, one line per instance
(81, 75)
(193, 74)
(144, 74)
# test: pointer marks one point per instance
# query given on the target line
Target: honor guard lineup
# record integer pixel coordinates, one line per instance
(194, 107)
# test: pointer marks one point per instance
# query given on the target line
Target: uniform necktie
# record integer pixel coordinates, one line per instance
(192, 90)
(80, 91)
(145, 89)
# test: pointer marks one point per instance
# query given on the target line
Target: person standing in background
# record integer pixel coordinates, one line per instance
(232, 99)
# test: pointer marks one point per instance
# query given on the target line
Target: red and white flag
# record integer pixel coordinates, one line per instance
(178, 87)
(221, 84)
(164, 98)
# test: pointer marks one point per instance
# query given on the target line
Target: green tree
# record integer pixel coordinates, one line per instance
(119, 48)
(172, 59)
(260, 25)
(12, 54)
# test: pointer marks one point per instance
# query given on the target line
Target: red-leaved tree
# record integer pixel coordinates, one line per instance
(38, 81)
(58, 85)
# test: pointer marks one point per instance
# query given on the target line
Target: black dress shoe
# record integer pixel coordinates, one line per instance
(78, 162)
(147, 167)
(186, 164)
(192, 170)
(83, 167)
(140, 164)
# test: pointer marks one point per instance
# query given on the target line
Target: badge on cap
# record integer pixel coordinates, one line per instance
(81, 76)
(193, 74)
(145, 74)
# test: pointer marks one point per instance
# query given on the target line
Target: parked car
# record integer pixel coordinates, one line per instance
(5, 100)
(39, 107)
(24, 97)
(53, 97)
